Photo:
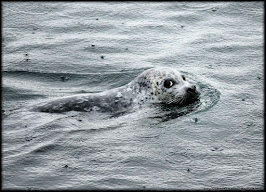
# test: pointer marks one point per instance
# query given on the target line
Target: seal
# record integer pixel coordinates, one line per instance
(157, 85)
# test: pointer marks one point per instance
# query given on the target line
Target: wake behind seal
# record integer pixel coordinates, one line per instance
(157, 85)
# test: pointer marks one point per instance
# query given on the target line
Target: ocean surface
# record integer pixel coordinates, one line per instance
(55, 49)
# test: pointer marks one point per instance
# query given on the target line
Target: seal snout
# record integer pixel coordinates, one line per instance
(192, 93)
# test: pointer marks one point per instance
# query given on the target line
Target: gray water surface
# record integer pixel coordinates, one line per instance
(55, 49)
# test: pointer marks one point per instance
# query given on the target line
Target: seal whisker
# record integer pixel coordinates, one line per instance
(175, 100)
(183, 99)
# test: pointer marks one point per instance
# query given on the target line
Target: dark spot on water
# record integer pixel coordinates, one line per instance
(26, 54)
(182, 26)
(216, 149)
(63, 78)
(79, 120)
(102, 57)
(258, 77)
(195, 119)
(97, 19)
(93, 45)
(215, 9)
(26, 126)
(126, 49)
(27, 60)
(66, 166)
(157, 83)
(188, 170)
(28, 138)
(151, 93)
(243, 99)
(228, 47)
(250, 124)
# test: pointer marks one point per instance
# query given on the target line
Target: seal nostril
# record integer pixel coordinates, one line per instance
(191, 89)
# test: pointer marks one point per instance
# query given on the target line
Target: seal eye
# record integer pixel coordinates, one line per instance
(184, 78)
(168, 83)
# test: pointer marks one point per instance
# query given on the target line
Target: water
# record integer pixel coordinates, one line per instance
(55, 49)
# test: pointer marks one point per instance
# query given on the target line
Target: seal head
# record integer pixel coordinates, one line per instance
(165, 85)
